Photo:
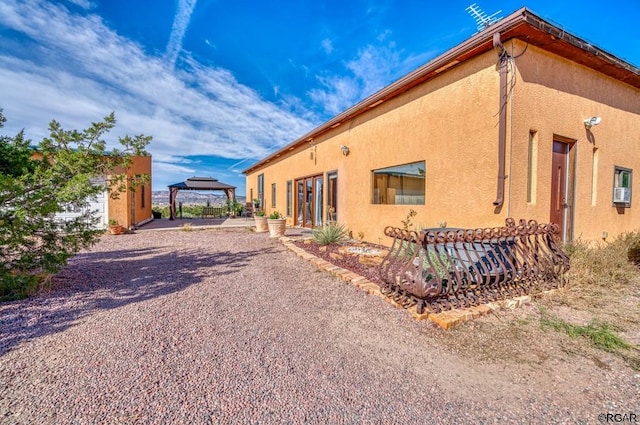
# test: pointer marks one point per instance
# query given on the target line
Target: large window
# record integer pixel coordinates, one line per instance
(400, 184)
(289, 197)
(261, 190)
(622, 187)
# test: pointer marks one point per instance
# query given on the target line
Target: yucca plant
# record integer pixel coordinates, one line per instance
(331, 233)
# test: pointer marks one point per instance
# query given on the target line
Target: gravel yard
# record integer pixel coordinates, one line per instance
(227, 326)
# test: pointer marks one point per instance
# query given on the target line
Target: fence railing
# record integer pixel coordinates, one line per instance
(449, 268)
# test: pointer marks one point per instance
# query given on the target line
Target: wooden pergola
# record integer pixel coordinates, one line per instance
(198, 183)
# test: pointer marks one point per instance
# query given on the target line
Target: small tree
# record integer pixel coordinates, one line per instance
(62, 173)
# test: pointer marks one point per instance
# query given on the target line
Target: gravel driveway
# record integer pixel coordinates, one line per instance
(227, 326)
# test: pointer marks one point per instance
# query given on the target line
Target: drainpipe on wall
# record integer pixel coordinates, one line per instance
(502, 122)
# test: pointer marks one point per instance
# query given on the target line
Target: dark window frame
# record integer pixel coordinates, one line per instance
(617, 170)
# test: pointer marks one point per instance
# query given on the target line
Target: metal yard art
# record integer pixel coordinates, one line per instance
(441, 269)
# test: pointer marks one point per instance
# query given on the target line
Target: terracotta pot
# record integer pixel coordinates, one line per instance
(261, 224)
(277, 226)
(116, 229)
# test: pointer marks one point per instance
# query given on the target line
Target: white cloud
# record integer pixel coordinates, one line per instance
(79, 70)
(180, 24)
(372, 69)
(327, 46)
(85, 4)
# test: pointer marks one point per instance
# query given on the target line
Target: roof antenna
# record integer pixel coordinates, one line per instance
(483, 20)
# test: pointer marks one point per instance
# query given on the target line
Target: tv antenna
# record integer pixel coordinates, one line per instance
(483, 20)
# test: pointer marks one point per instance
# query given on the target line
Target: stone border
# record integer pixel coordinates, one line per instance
(446, 319)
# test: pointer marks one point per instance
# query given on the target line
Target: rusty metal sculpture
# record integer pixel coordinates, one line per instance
(449, 268)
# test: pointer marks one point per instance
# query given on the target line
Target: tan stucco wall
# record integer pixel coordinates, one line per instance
(120, 209)
(553, 96)
(436, 122)
(451, 122)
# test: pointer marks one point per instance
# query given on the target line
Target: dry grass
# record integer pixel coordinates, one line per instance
(603, 282)
(599, 310)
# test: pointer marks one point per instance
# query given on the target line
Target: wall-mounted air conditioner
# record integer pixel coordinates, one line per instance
(621, 195)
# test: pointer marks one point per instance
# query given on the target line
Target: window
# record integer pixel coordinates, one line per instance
(400, 184)
(142, 197)
(261, 190)
(289, 197)
(332, 196)
(273, 195)
(622, 187)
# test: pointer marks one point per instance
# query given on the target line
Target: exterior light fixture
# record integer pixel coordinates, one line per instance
(344, 149)
(590, 122)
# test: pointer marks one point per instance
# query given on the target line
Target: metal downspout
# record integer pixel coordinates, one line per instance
(502, 123)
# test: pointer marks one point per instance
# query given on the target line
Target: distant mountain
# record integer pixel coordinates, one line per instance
(188, 197)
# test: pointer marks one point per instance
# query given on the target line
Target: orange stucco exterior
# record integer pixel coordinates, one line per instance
(451, 121)
(133, 206)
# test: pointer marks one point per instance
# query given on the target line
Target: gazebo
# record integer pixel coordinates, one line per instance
(198, 183)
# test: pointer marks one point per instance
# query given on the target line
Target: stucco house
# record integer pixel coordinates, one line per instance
(521, 120)
(132, 207)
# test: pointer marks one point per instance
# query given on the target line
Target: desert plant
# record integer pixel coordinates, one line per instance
(234, 207)
(113, 222)
(331, 233)
(275, 215)
(439, 263)
(259, 213)
(407, 223)
(599, 334)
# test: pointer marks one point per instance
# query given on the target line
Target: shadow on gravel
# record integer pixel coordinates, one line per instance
(97, 281)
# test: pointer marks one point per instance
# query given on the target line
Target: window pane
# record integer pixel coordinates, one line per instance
(318, 202)
(261, 190)
(308, 200)
(332, 194)
(289, 197)
(300, 206)
(622, 182)
(400, 184)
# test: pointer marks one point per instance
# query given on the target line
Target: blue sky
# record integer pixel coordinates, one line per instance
(220, 84)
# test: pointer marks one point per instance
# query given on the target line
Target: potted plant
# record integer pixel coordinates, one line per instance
(277, 224)
(256, 203)
(261, 221)
(157, 214)
(115, 228)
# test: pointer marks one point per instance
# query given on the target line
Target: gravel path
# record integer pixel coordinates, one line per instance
(226, 326)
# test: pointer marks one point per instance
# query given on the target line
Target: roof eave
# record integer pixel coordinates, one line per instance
(475, 45)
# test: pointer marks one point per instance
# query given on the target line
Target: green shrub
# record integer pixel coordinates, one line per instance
(17, 287)
(331, 233)
(275, 215)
